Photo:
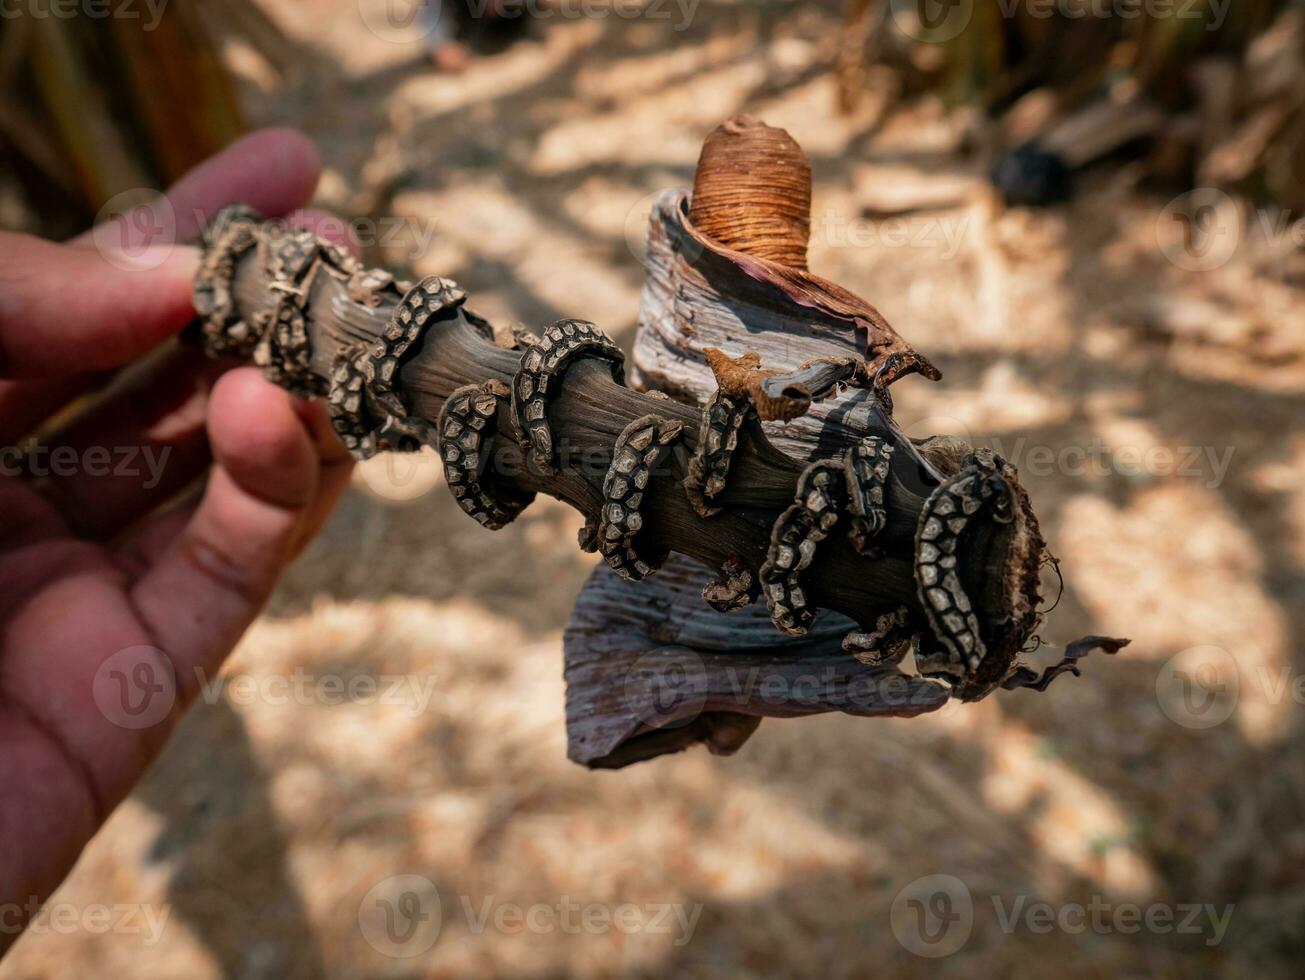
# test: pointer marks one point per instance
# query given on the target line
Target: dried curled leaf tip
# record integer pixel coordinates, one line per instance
(752, 192)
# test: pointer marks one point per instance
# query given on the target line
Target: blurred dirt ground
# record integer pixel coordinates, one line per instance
(273, 819)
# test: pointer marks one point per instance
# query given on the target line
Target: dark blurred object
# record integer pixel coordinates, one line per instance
(1051, 146)
(457, 30)
(1030, 176)
(95, 106)
(1215, 95)
(487, 26)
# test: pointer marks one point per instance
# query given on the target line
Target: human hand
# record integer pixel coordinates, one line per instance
(116, 598)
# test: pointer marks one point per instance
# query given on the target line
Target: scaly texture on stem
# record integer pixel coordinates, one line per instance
(347, 312)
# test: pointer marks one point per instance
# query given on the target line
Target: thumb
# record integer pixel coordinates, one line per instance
(210, 583)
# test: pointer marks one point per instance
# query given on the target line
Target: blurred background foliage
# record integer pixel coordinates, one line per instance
(1208, 94)
(95, 106)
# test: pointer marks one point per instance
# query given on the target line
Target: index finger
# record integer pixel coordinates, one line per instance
(274, 171)
(70, 310)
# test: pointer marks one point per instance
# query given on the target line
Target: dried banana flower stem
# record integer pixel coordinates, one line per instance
(731, 455)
